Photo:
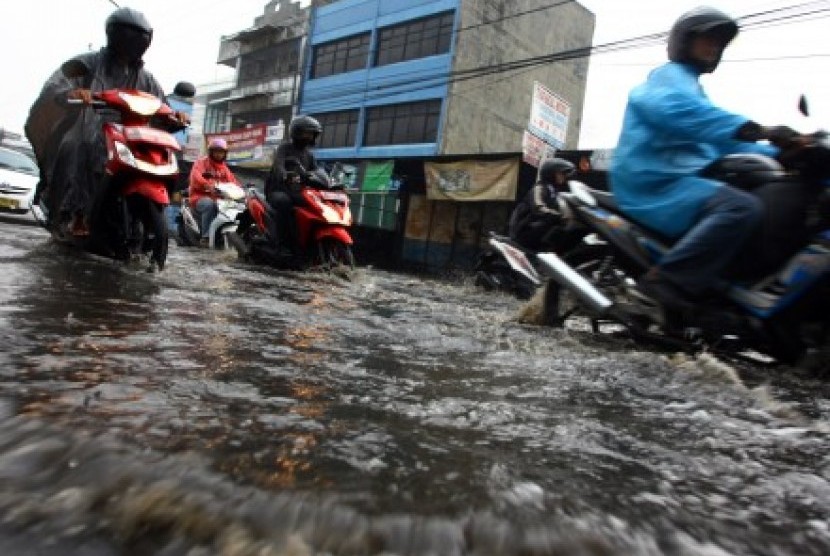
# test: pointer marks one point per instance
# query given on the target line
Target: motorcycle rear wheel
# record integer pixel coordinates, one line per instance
(495, 274)
(333, 253)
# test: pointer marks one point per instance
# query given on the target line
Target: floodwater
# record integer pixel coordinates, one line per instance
(218, 408)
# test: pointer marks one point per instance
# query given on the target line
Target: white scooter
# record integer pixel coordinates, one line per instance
(230, 204)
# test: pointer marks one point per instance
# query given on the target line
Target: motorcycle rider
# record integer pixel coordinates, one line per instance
(208, 171)
(67, 142)
(283, 193)
(536, 222)
(671, 131)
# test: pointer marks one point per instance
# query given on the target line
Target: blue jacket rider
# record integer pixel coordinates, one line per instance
(671, 131)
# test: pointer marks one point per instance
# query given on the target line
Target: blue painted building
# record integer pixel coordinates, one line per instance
(377, 76)
(397, 83)
(401, 78)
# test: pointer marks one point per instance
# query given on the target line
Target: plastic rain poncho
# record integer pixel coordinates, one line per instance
(67, 140)
(671, 131)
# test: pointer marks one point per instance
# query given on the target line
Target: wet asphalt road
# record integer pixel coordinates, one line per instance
(218, 408)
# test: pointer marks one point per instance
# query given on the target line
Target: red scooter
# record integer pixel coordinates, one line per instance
(127, 219)
(322, 222)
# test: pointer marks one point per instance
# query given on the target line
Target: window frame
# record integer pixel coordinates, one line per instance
(403, 124)
(340, 56)
(342, 125)
(411, 40)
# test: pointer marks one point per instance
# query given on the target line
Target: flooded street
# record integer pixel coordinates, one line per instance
(219, 408)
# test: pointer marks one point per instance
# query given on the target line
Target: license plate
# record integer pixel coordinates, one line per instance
(333, 196)
(9, 203)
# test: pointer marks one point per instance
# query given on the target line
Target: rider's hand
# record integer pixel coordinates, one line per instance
(781, 136)
(84, 95)
(182, 117)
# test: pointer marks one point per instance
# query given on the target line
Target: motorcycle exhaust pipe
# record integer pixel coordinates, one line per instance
(567, 277)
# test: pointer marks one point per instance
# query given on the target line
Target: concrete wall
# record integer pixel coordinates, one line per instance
(489, 114)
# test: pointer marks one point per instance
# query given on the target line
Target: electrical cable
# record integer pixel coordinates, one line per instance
(387, 88)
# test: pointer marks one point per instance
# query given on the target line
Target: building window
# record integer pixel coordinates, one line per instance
(216, 118)
(340, 56)
(414, 39)
(276, 61)
(339, 128)
(413, 122)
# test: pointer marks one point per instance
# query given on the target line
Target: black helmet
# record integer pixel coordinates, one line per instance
(702, 20)
(553, 165)
(304, 124)
(129, 33)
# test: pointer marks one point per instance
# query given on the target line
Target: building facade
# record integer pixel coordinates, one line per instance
(268, 60)
(441, 77)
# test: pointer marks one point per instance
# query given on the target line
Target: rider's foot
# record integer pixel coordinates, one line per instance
(78, 226)
(656, 287)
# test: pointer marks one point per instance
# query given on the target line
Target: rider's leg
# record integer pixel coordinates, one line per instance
(697, 262)
(283, 229)
(207, 210)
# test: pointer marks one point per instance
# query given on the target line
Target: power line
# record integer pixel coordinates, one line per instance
(753, 21)
(398, 82)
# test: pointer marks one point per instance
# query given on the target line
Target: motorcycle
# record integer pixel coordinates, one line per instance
(127, 222)
(512, 268)
(230, 205)
(322, 222)
(507, 267)
(778, 301)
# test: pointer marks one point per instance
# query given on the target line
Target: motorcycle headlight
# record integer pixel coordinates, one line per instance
(124, 154)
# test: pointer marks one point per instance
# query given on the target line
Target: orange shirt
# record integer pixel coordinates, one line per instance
(203, 187)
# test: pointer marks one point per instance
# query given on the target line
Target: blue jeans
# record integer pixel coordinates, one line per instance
(207, 210)
(698, 260)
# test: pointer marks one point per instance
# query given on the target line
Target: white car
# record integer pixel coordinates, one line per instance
(18, 178)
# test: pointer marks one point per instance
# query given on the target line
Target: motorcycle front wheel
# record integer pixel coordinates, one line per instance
(333, 253)
(185, 235)
(156, 233)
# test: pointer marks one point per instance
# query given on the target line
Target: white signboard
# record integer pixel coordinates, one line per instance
(534, 150)
(549, 114)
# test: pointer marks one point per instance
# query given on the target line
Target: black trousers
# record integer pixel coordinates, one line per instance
(283, 227)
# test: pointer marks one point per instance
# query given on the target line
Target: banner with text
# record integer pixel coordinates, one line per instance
(472, 180)
(244, 145)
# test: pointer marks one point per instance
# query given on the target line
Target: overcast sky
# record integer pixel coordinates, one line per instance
(762, 74)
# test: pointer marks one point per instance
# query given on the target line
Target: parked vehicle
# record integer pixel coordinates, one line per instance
(230, 205)
(322, 226)
(128, 222)
(18, 180)
(779, 299)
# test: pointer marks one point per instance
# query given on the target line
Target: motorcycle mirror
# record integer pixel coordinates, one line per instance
(184, 89)
(802, 106)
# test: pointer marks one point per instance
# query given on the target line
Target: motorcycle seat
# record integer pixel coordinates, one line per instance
(605, 199)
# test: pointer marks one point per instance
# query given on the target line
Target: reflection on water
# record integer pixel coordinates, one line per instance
(249, 412)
